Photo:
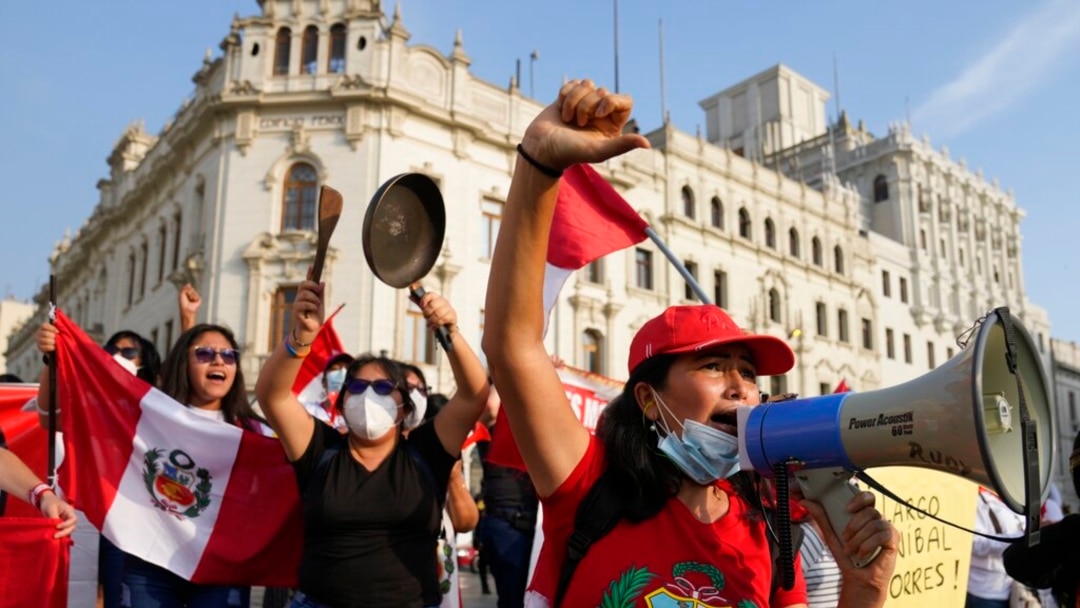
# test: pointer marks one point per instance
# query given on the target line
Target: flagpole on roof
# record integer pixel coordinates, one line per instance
(615, 21)
(677, 263)
(51, 472)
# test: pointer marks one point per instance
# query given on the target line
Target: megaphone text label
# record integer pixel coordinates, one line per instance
(902, 419)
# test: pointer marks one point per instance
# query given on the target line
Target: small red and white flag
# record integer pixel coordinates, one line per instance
(591, 220)
(209, 501)
(308, 386)
(842, 387)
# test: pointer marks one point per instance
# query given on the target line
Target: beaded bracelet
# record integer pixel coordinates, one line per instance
(548, 171)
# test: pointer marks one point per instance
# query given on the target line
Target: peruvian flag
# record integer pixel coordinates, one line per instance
(204, 499)
(591, 220)
(22, 434)
(33, 564)
(308, 386)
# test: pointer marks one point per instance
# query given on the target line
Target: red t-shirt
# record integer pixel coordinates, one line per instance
(670, 558)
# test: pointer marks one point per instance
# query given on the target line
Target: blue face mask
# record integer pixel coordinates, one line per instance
(703, 453)
(335, 379)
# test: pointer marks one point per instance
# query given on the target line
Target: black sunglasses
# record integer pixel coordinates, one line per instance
(420, 388)
(130, 353)
(207, 354)
(381, 386)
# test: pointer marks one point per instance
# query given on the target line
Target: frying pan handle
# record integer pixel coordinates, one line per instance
(442, 333)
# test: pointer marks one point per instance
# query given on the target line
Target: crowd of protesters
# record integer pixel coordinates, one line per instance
(377, 458)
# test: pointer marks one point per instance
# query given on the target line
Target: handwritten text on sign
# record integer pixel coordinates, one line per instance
(932, 557)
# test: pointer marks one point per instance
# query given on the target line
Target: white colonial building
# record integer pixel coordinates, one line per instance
(13, 314)
(869, 255)
(1066, 374)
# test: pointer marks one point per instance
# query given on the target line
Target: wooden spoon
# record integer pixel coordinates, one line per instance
(329, 213)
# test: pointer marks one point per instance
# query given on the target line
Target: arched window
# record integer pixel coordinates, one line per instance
(337, 48)
(309, 50)
(282, 44)
(881, 189)
(838, 259)
(793, 242)
(774, 305)
(770, 233)
(301, 196)
(688, 202)
(815, 251)
(592, 351)
(716, 213)
(744, 223)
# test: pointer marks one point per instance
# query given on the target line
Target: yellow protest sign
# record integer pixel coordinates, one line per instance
(933, 558)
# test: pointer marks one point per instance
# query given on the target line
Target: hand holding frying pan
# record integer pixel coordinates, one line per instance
(403, 234)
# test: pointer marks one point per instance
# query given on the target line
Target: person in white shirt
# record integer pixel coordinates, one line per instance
(988, 584)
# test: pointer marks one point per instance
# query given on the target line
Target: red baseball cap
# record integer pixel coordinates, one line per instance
(684, 329)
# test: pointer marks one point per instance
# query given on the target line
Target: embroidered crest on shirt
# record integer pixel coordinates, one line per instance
(177, 485)
(691, 585)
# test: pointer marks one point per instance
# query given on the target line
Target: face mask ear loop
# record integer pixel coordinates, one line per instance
(663, 423)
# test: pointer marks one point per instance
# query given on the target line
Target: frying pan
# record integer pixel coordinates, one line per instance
(403, 234)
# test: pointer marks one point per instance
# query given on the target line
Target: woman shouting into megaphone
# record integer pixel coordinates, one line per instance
(687, 527)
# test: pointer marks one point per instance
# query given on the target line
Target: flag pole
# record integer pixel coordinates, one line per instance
(51, 477)
(677, 263)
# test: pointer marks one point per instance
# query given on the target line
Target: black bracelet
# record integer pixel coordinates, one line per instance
(548, 171)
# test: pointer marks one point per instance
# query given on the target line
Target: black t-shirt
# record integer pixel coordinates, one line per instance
(369, 536)
(506, 489)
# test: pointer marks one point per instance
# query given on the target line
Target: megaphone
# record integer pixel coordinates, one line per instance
(961, 418)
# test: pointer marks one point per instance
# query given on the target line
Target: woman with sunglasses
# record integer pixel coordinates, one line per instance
(202, 371)
(691, 529)
(140, 357)
(372, 498)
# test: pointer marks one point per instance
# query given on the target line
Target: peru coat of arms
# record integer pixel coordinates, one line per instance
(176, 485)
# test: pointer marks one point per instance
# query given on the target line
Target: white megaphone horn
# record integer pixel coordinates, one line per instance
(961, 418)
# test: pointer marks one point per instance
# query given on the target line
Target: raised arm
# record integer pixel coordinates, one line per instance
(292, 423)
(458, 417)
(583, 125)
(188, 302)
(16, 478)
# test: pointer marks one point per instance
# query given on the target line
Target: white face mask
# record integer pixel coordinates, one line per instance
(126, 363)
(413, 419)
(369, 414)
(335, 379)
(703, 453)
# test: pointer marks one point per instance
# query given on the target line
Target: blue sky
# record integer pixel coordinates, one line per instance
(994, 81)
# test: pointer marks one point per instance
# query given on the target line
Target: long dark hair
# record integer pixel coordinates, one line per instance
(175, 383)
(394, 371)
(645, 475)
(151, 360)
